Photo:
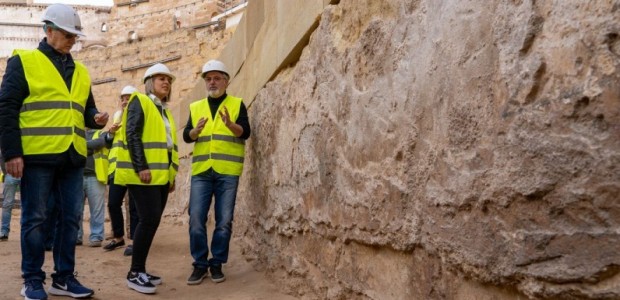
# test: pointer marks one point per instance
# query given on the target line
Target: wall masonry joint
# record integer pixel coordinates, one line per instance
(205, 24)
(103, 80)
(146, 65)
(132, 2)
(20, 24)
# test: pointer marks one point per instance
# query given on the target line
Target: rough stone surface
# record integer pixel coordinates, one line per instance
(442, 150)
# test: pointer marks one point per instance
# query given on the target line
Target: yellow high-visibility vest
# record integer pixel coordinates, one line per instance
(155, 147)
(216, 146)
(101, 161)
(52, 117)
(117, 143)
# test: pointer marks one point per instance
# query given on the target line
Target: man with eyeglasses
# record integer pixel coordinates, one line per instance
(219, 126)
(45, 105)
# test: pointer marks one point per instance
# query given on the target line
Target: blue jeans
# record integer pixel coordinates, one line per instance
(37, 185)
(10, 188)
(51, 223)
(95, 192)
(204, 187)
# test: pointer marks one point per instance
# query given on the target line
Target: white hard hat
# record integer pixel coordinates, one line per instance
(214, 65)
(155, 69)
(63, 17)
(128, 90)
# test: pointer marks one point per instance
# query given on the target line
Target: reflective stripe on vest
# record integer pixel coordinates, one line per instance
(101, 161)
(216, 146)
(155, 146)
(51, 118)
(116, 144)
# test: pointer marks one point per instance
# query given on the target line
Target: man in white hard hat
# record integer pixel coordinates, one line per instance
(45, 105)
(219, 126)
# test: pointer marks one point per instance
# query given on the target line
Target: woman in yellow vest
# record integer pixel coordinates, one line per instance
(219, 126)
(147, 164)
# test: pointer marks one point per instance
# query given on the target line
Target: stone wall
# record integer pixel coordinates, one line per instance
(416, 149)
(441, 150)
(151, 18)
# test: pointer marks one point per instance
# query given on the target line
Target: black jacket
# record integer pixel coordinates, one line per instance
(14, 91)
(135, 127)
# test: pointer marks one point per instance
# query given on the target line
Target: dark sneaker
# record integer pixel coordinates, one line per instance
(113, 245)
(216, 274)
(4, 237)
(69, 286)
(155, 280)
(140, 282)
(128, 251)
(33, 290)
(79, 243)
(197, 276)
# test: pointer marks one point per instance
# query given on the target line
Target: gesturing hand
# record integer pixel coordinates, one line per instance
(200, 125)
(114, 128)
(225, 116)
(102, 118)
(198, 129)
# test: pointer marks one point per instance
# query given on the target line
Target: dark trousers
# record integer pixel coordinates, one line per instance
(116, 194)
(150, 202)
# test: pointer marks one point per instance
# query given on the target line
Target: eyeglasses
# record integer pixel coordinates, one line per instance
(215, 79)
(66, 34)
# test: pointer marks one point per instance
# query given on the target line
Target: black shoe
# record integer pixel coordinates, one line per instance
(140, 282)
(128, 251)
(79, 243)
(4, 237)
(113, 245)
(197, 276)
(216, 274)
(155, 280)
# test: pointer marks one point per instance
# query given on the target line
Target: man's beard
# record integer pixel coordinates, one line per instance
(216, 93)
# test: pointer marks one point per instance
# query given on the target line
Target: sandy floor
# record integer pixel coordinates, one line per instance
(169, 258)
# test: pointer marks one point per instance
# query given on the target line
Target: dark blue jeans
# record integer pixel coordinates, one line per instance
(38, 183)
(204, 187)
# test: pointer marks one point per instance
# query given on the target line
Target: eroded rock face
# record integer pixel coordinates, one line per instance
(442, 149)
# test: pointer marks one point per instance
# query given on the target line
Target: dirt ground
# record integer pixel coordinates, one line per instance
(169, 258)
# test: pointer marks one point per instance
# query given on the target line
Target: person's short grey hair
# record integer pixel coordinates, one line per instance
(149, 89)
(226, 76)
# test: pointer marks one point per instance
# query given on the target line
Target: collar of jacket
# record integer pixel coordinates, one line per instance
(157, 101)
(50, 52)
(220, 98)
